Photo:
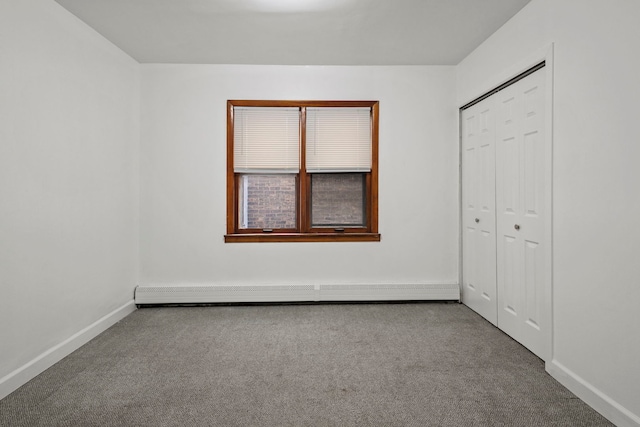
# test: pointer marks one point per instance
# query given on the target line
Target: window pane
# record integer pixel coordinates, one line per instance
(266, 140)
(337, 200)
(267, 201)
(338, 139)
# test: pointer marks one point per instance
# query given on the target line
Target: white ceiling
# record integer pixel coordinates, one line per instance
(296, 32)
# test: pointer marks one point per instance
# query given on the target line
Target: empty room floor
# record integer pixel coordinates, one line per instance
(414, 364)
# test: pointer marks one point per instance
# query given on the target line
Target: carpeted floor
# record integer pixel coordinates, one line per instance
(431, 364)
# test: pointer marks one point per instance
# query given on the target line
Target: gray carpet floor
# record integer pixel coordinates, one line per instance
(431, 364)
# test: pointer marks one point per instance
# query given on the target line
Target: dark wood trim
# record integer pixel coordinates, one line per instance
(367, 201)
(231, 181)
(345, 230)
(294, 103)
(242, 231)
(302, 237)
(373, 184)
(304, 193)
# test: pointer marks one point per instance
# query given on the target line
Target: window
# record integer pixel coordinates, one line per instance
(302, 171)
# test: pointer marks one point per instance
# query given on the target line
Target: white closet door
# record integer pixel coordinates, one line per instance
(520, 198)
(478, 215)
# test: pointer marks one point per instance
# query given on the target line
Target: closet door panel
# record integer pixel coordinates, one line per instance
(508, 207)
(520, 190)
(535, 332)
(478, 216)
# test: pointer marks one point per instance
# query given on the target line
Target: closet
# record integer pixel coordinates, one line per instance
(505, 183)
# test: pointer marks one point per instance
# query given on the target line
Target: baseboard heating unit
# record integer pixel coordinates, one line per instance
(203, 294)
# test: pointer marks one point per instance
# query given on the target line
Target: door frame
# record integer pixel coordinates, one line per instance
(509, 75)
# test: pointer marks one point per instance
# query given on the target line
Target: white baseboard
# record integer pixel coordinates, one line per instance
(28, 371)
(609, 408)
(390, 292)
(194, 294)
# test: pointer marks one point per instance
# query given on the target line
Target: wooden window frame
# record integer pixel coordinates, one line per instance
(303, 232)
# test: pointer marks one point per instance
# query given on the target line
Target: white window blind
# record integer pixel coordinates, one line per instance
(266, 140)
(338, 139)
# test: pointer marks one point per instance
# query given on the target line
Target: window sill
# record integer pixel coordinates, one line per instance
(301, 237)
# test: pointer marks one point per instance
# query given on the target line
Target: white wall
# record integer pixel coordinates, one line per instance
(595, 193)
(69, 104)
(183, 167)
(68, 180)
